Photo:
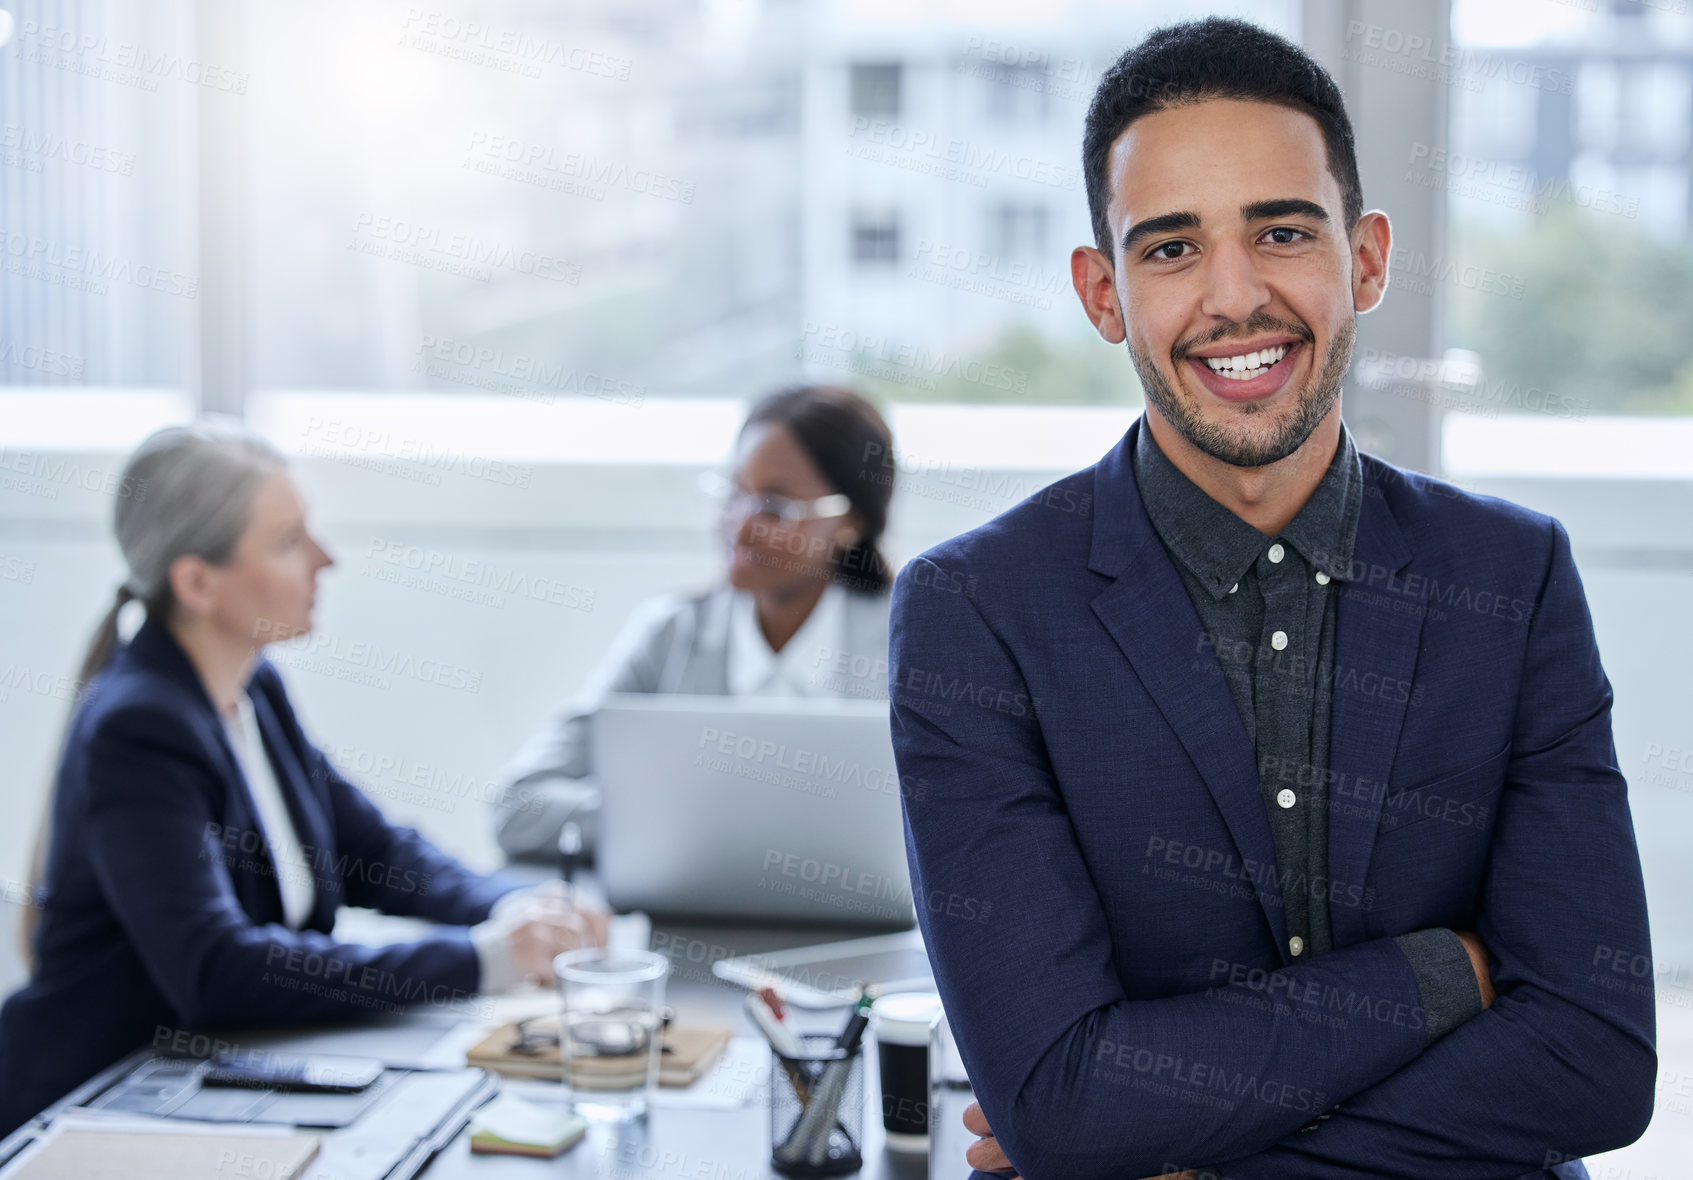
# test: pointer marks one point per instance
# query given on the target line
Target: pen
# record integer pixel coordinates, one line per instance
(570, 850)
(781, 1037)
(786, 1045)
(855, 1025)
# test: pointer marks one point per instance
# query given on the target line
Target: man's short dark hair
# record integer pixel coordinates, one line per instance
(1197, 61)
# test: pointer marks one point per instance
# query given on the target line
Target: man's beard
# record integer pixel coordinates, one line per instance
(1237, 447)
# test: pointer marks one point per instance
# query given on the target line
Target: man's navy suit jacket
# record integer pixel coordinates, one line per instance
(162, 910)
(1098, 889)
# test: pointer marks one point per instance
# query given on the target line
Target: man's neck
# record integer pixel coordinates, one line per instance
(1267, 498)
(224, 664)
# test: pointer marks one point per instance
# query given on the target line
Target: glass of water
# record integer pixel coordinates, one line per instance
(949, 1094)
(612, 1031)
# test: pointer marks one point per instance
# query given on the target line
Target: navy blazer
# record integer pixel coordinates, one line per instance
(162, 911)
(1098, 885)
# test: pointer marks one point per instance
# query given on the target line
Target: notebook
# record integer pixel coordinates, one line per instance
(89, 1153)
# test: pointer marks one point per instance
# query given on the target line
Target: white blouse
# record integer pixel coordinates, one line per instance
(293, 869)
(799, 669)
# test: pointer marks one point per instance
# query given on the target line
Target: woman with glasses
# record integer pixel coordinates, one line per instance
(801, 612)
(199, 844)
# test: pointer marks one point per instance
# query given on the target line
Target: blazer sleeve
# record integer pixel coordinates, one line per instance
(1563, 1064)
(1077, 1080)
(551, 778)
(394, 869)
(155, 846)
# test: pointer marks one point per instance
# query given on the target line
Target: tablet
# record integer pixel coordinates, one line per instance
(829, 975)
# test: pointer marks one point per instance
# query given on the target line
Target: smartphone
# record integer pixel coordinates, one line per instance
(292, 1072)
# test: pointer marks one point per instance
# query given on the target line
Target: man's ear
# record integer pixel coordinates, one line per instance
(1096, 287)
(1372, 244)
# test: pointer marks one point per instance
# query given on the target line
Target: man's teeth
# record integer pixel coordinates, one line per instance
(1248, 365)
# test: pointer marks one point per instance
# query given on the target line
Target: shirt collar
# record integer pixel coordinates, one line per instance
(756, 670)
(1326, 526)
(1218, 547)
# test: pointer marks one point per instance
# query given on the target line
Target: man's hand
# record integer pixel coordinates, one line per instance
(1478, 961)
(985, 1156)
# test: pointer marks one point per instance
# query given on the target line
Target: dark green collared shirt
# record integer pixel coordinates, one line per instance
(1267, 607)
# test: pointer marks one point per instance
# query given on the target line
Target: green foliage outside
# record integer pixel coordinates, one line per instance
(1022, 367)
(1605, 316)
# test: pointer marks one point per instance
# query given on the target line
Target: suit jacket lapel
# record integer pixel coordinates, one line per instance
(154, 647)
(1378, 630)
(1147, 611)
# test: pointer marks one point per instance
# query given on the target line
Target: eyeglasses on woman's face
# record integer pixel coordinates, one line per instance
(738, 503)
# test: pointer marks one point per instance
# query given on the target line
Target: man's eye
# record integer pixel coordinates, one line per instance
(1285, 236)
(1168, 250)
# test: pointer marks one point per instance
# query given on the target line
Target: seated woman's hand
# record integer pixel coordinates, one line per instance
(556, 899)
(536, 940)
(534, 925)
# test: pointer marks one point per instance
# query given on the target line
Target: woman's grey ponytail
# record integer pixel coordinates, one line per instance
(186, 490)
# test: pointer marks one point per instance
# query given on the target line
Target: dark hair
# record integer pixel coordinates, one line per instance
(852, 446)
(1196, 61)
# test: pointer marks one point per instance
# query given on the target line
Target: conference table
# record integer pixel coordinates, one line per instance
(673, 1142)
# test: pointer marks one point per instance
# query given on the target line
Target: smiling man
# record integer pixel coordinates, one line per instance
(1308, 853)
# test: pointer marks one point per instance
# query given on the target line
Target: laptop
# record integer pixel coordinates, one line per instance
(749, 808)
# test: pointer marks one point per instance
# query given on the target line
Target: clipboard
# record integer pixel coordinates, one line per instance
(690, 1052)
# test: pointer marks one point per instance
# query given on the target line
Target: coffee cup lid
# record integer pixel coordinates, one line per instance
(904, 1018)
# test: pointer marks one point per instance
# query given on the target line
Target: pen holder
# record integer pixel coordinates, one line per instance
(817, 1109)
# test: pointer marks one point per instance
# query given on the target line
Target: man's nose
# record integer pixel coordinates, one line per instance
(1234, 288)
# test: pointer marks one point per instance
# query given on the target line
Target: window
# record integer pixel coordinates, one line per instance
(1015, 94)
(875, 90)
(99, 284)
(521, 202)
(1017, 232)
(875, 238)
(1582, 233)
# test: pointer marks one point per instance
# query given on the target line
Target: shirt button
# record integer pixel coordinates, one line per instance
(1286, 798)
(1235, 587)
(1322, 578)
(1296, 945)
(1278, 640)
(1276, 553)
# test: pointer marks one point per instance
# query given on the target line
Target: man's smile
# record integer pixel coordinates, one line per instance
(1239, 374)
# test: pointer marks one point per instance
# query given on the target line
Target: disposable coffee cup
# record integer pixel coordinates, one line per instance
(901, 1024)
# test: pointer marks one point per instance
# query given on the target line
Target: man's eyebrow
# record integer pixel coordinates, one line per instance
(1162, 224)
(1283, 207)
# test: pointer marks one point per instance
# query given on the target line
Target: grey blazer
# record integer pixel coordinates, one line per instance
(676, 643)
